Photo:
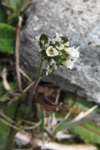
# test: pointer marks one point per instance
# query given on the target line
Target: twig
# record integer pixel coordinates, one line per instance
(28, 87)
(14, 99)
(28, 122)
(32, 127)
(57, 97)
(17, 53)
(63, 120)
(25, 75)
(6, 117)
(9, 124)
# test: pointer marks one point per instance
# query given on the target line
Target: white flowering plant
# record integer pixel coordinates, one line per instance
(55, 52)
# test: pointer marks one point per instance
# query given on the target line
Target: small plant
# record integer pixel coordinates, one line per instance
(53, 113)
(56, 52)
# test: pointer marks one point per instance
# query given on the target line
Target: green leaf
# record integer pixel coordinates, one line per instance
(7, 38)
(89, 132)
(9, 4)
(15, 8)
(2, 14)
(69, 125)
(64, 40)
(4, 132)
(82, 105)
(3, 93)
(13, 19)
(43, 40)
(13, 109)
(19, 5)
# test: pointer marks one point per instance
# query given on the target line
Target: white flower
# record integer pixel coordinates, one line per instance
(53, 64)
(69, 63)
(57, 38)
(51, 67)
(61, 47)
(51, 52)
(66, 44)
(74, 53)
(58, 35)
(48, 70)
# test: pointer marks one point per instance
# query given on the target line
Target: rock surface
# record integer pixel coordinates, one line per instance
(78, 19)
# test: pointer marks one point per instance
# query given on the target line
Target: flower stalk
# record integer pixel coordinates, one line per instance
(33, 89)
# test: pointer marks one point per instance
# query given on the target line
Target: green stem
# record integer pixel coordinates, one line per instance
(42, 117)
(33, 90)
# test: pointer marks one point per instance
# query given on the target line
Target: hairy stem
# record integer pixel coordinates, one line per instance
(33, 89)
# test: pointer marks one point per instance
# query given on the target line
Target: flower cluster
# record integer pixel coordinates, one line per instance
(57, 52)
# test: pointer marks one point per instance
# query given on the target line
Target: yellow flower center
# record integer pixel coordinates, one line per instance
(51, 52)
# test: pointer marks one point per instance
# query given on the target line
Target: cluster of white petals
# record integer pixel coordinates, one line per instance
(73, 56)
(57, 52)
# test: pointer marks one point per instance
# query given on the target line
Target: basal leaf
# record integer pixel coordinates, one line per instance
(4, 132)
(69, 125)
(7, 38)
(89, 132)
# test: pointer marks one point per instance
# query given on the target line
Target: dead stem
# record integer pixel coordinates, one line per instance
(36, 142)
(58, 95)
(9, 124)
(25, 75)
(28, 87)
(17, 54)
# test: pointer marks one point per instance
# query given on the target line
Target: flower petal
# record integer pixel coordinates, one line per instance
(51, 52)
(61, 47)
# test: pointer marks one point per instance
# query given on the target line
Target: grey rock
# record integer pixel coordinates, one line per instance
(80, 21)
